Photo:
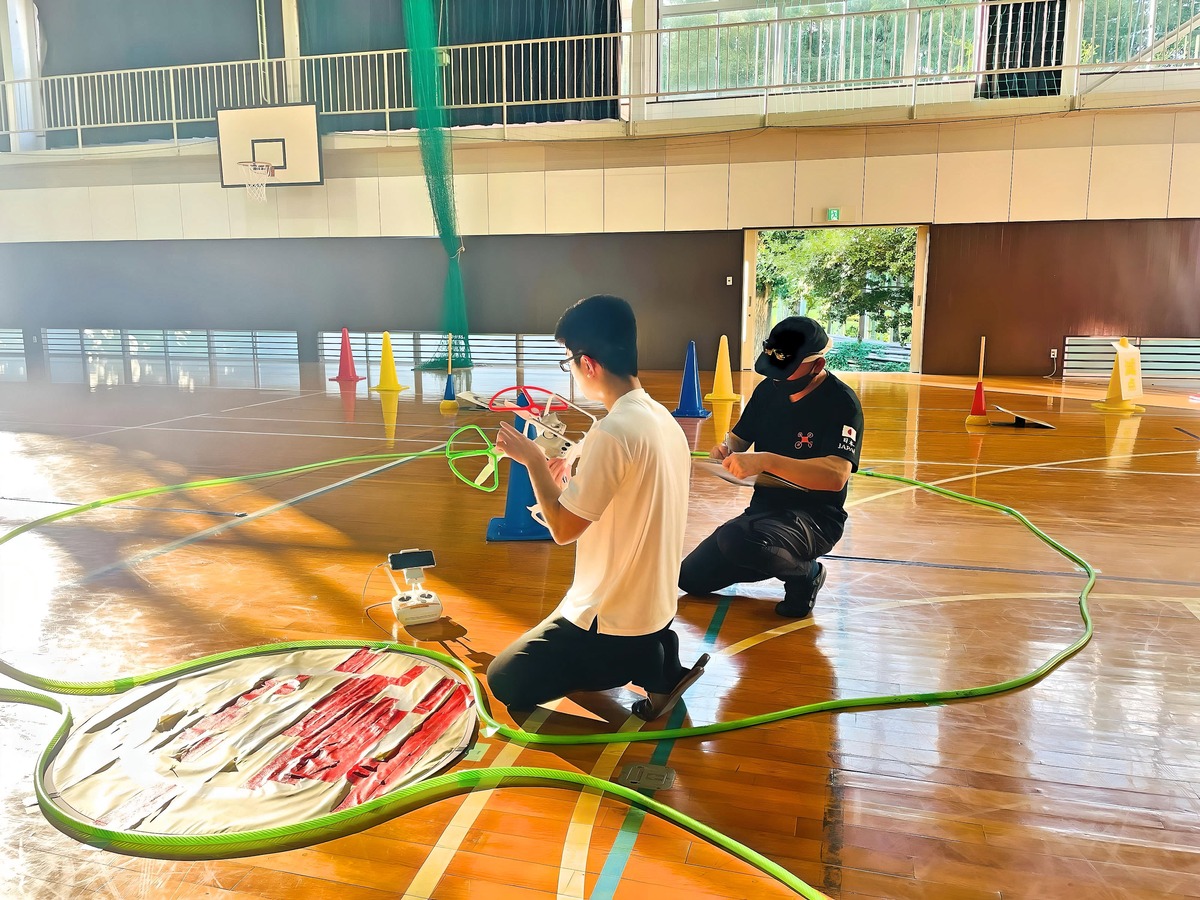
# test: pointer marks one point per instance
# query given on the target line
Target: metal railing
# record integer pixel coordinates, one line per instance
(844, 57)
(184, 358)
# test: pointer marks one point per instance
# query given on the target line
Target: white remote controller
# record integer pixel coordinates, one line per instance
(417, 605)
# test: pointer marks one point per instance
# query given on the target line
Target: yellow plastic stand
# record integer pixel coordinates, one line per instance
(1125, 383)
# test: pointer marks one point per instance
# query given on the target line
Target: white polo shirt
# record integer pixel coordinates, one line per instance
(632, 485)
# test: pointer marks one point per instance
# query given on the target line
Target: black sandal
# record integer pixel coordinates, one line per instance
(655, 706)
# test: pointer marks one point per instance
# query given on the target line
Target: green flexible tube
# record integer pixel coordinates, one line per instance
(233, 844)
(373, 812)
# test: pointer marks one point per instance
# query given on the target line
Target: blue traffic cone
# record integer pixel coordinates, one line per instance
(689, 392)
(449, 402)
(517, 524)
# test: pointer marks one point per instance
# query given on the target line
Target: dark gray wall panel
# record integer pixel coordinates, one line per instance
(676, 283)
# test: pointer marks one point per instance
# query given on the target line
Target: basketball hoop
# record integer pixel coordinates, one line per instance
(257, 174)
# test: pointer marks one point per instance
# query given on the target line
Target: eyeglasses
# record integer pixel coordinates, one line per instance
(565, 364)
(777, 354)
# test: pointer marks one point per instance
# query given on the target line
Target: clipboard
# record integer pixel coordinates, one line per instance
(763, 479)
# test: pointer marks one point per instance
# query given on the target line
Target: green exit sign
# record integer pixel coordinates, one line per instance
(833, 214)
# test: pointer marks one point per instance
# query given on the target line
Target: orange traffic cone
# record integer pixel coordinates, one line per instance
(346, 371)
(978, 414)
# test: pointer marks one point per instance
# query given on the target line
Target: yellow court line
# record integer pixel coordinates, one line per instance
(426, 880)
(572, 871)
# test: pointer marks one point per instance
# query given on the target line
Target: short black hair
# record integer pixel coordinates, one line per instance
(603, 327)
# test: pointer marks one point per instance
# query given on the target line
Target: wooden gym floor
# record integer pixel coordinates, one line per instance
(1085, 785)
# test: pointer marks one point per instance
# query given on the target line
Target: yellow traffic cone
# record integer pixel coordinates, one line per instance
(387, 369)
(1114, 401)
(723, 380)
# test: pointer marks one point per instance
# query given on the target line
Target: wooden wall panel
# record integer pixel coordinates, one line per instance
(1028, 285)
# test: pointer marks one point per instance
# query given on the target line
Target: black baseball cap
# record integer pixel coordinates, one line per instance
(793, 342)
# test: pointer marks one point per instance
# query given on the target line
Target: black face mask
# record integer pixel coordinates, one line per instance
(795, 386)
(799, 384)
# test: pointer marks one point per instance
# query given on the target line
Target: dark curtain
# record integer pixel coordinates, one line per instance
(1024, 35)
(537, 81)
(86, 36)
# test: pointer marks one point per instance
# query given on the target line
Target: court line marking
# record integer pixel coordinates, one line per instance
(631, 826)
(1053, 464)
(572, 868)
(430, 874)
(443, 850)
(132, 561)
(1000, 570)
(788, 628)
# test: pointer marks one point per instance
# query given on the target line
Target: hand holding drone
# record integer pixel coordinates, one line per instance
(540, 409)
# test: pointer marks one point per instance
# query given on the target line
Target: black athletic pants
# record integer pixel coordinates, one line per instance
(558, 658)
(755, 546)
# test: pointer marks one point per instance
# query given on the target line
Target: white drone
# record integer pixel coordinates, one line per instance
(549, 431)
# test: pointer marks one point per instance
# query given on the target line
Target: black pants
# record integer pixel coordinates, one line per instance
(558, 658)
(753, 547)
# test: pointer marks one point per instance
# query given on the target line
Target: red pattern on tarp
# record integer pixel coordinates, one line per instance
(359, 661)
(335, 739)
(328, 755)
(430, 701)
(363, 659)
(374, 777)
(338, 702)
(223, 718)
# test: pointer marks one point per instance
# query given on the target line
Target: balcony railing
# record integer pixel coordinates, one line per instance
(911, 57)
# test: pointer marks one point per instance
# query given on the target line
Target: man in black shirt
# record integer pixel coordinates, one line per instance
(805, 426)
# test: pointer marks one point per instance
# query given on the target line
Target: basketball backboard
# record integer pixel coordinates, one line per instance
(284, 136)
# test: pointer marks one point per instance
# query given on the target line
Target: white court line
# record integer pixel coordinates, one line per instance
(121, 428)
(249, 517)
(430, 425)
(296, 394)
(781, 630)
(908, 489)
(282, 434)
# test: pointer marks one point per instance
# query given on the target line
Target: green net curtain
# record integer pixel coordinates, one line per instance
(420, 26)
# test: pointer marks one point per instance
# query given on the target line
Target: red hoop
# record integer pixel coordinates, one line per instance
(554, 403)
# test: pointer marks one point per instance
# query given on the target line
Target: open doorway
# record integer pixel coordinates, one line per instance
(858, 282)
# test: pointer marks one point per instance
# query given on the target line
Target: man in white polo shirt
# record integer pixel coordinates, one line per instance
(626, 508)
